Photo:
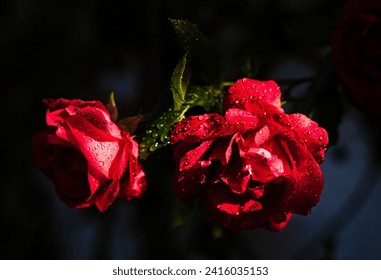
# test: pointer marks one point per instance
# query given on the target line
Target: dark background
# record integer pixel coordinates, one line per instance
(86, 49)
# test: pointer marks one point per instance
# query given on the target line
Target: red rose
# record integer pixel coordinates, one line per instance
(356, 51)
(90, 160)
(253, 167)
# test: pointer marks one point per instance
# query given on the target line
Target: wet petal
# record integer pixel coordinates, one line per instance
(100, 148)
(198, 128)
(240, 120)
(249, 94)
(315, 137)
(221, 197)
(191, 157)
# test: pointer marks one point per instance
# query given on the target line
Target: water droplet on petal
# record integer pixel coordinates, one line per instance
(101, 163)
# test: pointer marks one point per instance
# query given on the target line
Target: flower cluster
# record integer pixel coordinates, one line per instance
(254, 166)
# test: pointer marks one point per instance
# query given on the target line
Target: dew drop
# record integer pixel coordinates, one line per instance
(164, 137)
(321, 138)
(101, 163)
(205, 163)
(154, 147)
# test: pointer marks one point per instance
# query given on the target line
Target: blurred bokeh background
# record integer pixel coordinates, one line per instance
(86, 49)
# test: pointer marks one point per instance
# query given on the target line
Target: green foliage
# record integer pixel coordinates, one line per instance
(157, 134)
(205, 59)
(202, 57)
(180, 81)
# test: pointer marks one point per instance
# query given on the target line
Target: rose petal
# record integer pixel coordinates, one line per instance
(222, 149)
(220, 196)
(276, 226)
(106, 194)
(198, 128)
(308, 181)
(58, 109)
(191, 157)
(249, 94)
(100, 148)
(133, 184)
(239, 120)
(315, 137)
(236, 175)
(190, 184)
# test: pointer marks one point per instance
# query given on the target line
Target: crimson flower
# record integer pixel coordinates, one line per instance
(356, 52)
(90, 160)
(254, 166)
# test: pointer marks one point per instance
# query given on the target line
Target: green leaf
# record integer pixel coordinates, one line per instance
(157, 133)
(180, 81)
(208, 97)
(205, 60)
